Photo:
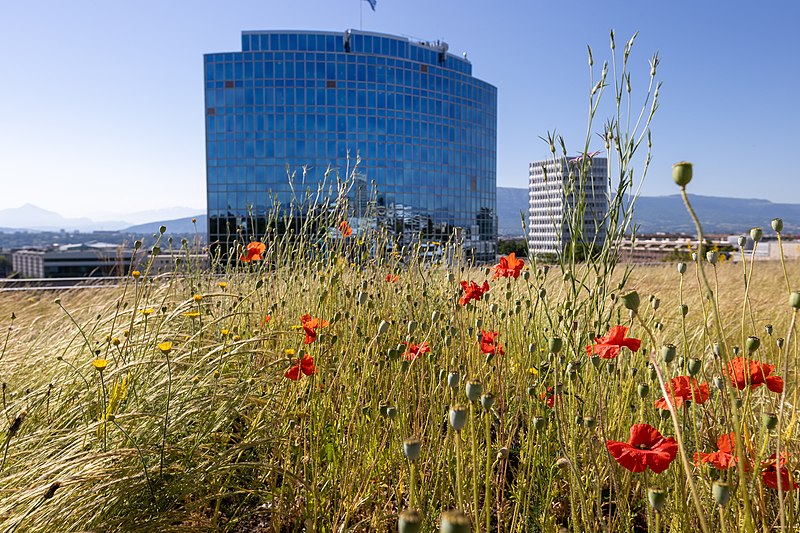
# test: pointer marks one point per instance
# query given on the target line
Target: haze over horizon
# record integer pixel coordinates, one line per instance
(104, 102)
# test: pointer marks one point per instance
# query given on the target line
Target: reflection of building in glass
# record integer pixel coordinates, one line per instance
(564, 202)
(423, 126)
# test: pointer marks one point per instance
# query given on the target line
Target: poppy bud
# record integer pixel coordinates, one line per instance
(768, 327)
(643, 390)
(631, 301)
(664, 414)
(411, 327)
(719, 383)
(595, 360)
(769, 421)
(362, 298)
(652, 372)
(474, 389)
(57, 301)
(721, 492)
(752, 343)
(383, 410)
(137, 244)
(777, 225)
(162, 229)
(668, 353)
(684, 309)
(717, 350)
(452, 380)
(657, 498)
(655, 303)
(531, 391)
(502, 453)
(478, 323)
(694, 366)
(435, 317)
(411, 448)
(794, 300)
(454, 522)
(383, 327)
(155, 250)
(736, 351)
(712, 257)
(589, 422)
(458, 417)
(555, 345)
(682, 173)
(741, 241)
(526, 275)
(538, 423)
(756, 234)
(681, 268)
(694, 257)
(493, 308)
(391, 412)
(487, 401)
(542, 293)
(409, 521)
(779, 341)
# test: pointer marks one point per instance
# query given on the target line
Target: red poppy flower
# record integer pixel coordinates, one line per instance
(266, 319)
(253, 252)
(305, 365)
(310, 326)
(472, 291)
(723, 458)
(392, 278)
(646, 448)
(345, 229)
(415, 350)
(770, 474)
(608, 347)
(683, 389)
(489, 344)
(550, 397)
(508, 267)
(746, 372)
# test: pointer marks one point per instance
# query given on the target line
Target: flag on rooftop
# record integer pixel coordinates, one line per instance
(372, 3)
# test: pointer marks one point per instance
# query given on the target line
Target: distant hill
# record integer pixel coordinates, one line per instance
(177, 225)
(654, 214)
(30, 217)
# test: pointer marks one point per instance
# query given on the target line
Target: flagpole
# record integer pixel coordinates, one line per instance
(361, 15)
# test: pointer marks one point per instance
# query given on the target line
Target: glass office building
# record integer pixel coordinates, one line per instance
(424, 128)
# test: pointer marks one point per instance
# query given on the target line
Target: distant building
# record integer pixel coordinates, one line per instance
(97, 259)
(561, 203)
(424, 127)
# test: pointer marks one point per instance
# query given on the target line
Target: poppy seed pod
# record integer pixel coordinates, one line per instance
(684, 309)
(657, 498)
(694, 366)
(794, 300)
(643, 390)
(502, 454)
(435, 316)
(589, 422)
(752, 343)
(474, 389)
(756, 234)
(721, 492)
(383, 327)
(631, 301)
(555, 345)
(391, 412)
(779, 341)
(656, 303)
(668, 352)
(538, 423)
(777, 225)
(719, 383)
(454, 522)
(542, 293)
(487, 401)
(453, 379)
(411, 448)
(362, 298)
(409, 521)
(712, 257)
(458, 417)
(768, 328)
(741, 241)
(411, 327)
(682, 173)
(694, 257)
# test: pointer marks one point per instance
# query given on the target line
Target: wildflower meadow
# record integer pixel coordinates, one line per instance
(328, 379)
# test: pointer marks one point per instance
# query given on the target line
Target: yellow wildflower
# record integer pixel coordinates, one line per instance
(100, 364)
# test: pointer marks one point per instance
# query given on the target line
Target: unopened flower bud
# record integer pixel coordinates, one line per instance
(777, 225)
(752, 343)
(694, 366)
(741, 241)
(681, 268)
(631, 301)
(383, 327)
(643, 390)
(668, 352)
(487, 400)
(769, 421)
(458, 417)
(712, 257)
(411, 448)
(657, 498)
(453, 379)
(682, 173)
(794, 300)
(555, 345)
(474, 389)
(721, 492)
(756, 234)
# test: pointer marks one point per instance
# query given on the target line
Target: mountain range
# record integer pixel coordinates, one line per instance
(667, 214)
(652, 214)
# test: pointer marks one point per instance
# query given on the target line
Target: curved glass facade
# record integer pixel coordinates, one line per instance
(424, 128)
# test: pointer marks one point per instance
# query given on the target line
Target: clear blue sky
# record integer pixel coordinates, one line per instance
(102, 102)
